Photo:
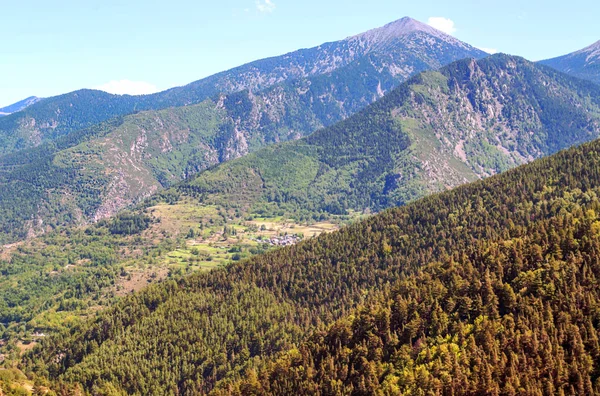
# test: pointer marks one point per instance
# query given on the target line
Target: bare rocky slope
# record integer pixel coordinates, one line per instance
(18, 106)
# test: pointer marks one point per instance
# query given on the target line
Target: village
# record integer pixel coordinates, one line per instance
(285, 240)
(281, 240)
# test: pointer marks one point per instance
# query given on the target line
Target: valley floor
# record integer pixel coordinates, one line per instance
(68, 275)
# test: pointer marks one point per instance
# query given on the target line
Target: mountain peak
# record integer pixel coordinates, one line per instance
(402, 28)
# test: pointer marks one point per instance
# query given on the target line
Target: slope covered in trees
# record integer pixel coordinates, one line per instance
(494, 283)
(468, 120)
(512, 316)
(408, 47)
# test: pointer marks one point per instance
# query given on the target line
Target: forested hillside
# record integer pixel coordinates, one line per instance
(489, 286)
(408, 47)
(515, 315)
(440, 129)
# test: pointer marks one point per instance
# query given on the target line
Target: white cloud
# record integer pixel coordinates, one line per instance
(265, 6)
(446, 25)
(127, 87)
(490, 51)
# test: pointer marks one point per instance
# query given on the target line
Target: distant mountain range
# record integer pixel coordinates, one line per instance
(469, 120)
(74, 177)
(584, 63)
(20, 105)
(404, 47)
(84, 156)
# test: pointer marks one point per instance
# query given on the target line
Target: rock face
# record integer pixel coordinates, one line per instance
(399, 49)
(584, 63)
(407, 30)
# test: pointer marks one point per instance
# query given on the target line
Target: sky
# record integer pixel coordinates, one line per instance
(143, 46)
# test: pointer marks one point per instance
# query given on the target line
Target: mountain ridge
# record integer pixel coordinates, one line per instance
(18, 106)
(592, 50)
(583, 63)
(470, 120)
(63, 114)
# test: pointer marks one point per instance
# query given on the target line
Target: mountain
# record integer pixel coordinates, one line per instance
(584, 63)
(490, 287)
(408, 47)
(96, 171)
(469, 120)
(15, 107)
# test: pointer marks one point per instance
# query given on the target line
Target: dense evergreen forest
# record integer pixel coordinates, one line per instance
(513, 316)
(489, 287)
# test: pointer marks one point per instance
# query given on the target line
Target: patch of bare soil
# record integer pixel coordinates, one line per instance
(7, 250)
(136, 281)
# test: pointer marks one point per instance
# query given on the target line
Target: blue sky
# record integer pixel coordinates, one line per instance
(52, 47)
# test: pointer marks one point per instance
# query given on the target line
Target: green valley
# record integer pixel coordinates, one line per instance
(212, 327)
(56, 281)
